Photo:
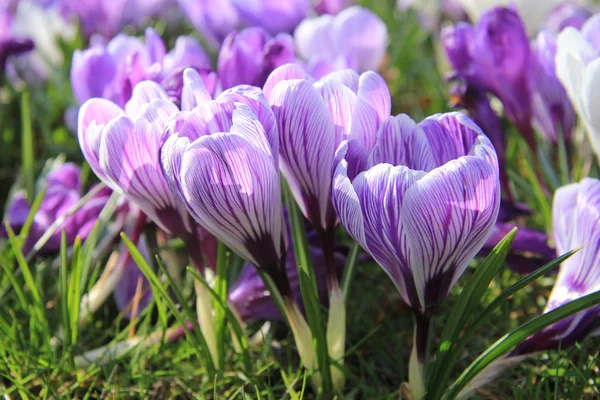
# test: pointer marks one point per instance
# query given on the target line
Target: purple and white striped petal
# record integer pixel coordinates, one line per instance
(448, 216)
(307, 145)
(143, 93)
(283, 73)
(194, 90)
(94, 115)
(232, 188)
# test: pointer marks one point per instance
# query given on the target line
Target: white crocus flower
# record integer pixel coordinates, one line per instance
(578, 68)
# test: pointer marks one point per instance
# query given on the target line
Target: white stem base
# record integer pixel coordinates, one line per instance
(303, 337)
(415, 373)
(336, 335)
(204, 308)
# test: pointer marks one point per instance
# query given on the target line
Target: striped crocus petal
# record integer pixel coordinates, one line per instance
(194, 90)
(576, 217)
(283, 73)
(94, 115)
(307, 145)
(143, 93)
(129, 156)
(439, 204)
(231, 186)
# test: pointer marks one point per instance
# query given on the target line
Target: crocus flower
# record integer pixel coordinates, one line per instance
(64, 190)
(576, 222)
(356, 38)
(214, 19)
(567, 13)
(430, 12)
(10, 44)
(553, 114)
(313, 119)
(222, 160)
(249, 56)
(495, 55)
(274, 15)
(122, 148)
(111, 71)
(578, 68)
(423, 204)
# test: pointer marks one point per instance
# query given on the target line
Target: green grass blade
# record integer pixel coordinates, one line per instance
(35, 206)
(221, 293)
(349, 269)
(27, 147)
(471, 295)
(75, 291)
(64, 291)
(511, 339)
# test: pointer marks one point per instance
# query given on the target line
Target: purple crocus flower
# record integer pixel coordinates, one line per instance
(313, 119)
(565, 14)
(495, 55)
(122, 148)
(249, 56)
(356, 38)
(10, 44)
(274, 15)
(64, 190)
(553, 113)
(214, 19)
(437, 182)
(111, 71)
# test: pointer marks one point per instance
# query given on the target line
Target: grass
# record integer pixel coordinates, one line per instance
(379, 326)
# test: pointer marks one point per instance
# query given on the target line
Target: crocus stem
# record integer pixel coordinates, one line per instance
(302, 336)
(417, 357)
(336, 335)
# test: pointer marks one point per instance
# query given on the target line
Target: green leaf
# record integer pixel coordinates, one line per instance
(511, 339)
(470, 297)
(64, 291)
(27, 147)
(199, 344)
(221, 292)
(75, 292)
(349, 269)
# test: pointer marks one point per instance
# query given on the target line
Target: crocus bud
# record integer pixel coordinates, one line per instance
(274, 15)
(553, 113)
(356, 38)
(438, 184)
(64, 190)
(249, 56)
(494, 55)
(576, 222)
(122, 148)
(577, 54)
(565, 14)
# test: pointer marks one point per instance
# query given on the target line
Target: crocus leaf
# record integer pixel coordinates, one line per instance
(511, 339)
(471, 295)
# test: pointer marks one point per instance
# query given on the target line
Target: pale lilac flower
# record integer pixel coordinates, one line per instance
(122, 147)
(356, 38)
(567, 13)
(275, 16)
(111, 71)
(249, 56)
(64, 190)
(424, 202)
(214, 19)
(10, 44)
(553, 113)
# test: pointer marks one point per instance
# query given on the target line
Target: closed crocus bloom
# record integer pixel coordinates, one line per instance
(567, 13)
(578, 68)
(222, 159)
(64, 190)
(111, 71)
(249, 56)
(356, 38)
(122, 148)
(275, 16)
(553, 113)
(495, 55)
(10, 44)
